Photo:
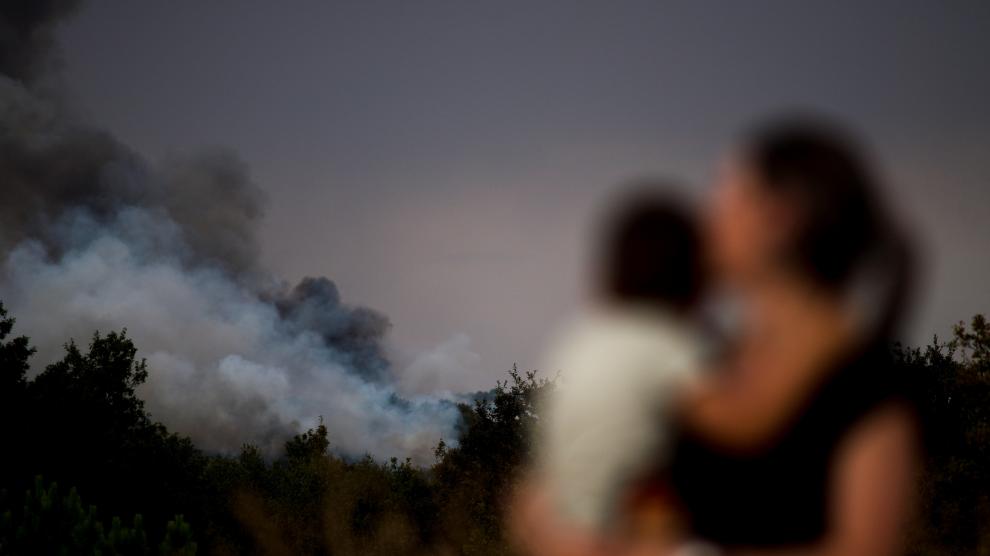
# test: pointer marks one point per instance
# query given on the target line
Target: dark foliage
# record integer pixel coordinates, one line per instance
(80, 423)
(48, 523)
(953, 383)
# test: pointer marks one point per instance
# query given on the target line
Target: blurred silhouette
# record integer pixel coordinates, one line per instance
(622, 360)
(804, 438)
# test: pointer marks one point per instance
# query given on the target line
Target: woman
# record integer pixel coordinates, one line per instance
(805, 442)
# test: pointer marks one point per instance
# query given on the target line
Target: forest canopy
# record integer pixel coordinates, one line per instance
(88, 471)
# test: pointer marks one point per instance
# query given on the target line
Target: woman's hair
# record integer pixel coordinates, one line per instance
(651, 249)
(845, 240)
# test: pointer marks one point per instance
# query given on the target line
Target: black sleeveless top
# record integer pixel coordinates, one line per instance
(778, 495)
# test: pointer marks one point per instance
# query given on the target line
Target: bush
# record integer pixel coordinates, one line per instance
(48, 523)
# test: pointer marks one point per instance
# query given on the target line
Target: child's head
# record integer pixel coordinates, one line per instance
(651, 251)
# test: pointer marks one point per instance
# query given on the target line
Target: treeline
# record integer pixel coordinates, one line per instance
(86, 470)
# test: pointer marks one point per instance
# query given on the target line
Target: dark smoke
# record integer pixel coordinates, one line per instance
(27, 41)
(93, 236)
(354, 333)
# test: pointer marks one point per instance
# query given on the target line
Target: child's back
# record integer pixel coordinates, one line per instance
(622, 363)
(606, 423)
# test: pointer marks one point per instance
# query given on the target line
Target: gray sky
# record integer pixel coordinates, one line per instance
(440, 160)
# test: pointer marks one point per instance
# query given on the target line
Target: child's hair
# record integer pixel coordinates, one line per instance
(651, 250)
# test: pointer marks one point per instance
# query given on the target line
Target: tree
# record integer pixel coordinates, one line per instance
(14, 355)
(89, 429)
(15, 352)
(48, 523)
(952, 385)
(476, 477)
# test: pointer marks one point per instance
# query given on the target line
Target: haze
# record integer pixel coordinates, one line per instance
(440, 161)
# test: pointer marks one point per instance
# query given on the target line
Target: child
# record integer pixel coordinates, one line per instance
(620, 365)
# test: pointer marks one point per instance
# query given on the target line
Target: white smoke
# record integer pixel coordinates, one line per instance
(451, 366)
(93, 237)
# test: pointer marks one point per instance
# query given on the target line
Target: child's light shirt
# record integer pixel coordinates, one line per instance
(608, 422)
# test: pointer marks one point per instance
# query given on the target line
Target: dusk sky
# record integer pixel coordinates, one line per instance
(441, 161)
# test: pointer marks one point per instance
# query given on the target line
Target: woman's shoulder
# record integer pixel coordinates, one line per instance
(866, 378)
(860, 385)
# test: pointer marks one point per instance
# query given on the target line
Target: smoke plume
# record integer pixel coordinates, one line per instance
(95, 237)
